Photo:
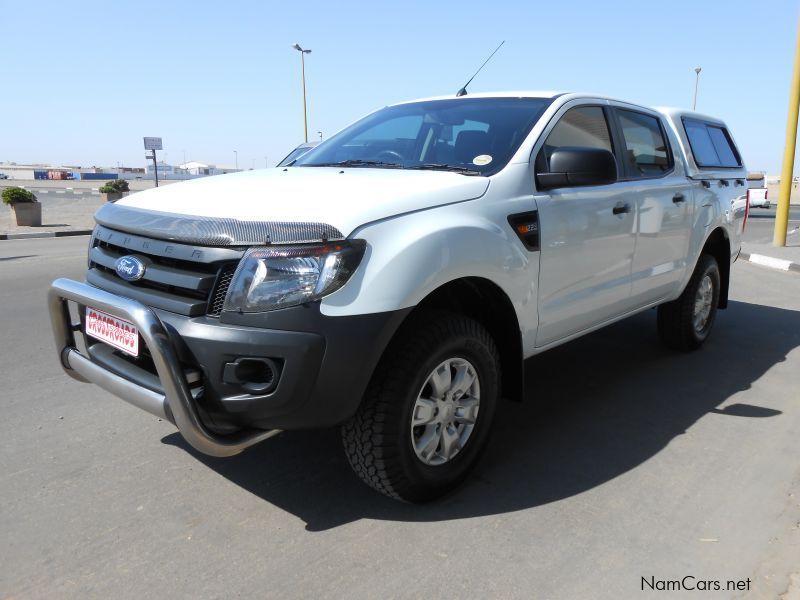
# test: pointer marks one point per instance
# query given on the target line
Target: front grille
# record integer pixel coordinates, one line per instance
(221, 289)
(188, 280)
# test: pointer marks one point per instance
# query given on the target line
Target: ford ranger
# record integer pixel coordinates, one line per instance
(393, 280)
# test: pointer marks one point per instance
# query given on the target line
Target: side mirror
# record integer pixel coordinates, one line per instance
(572, 166)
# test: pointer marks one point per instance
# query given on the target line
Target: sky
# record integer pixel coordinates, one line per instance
(84, 81)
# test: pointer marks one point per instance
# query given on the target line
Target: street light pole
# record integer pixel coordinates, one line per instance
(303, 52)
(696, 84)
(236, 158)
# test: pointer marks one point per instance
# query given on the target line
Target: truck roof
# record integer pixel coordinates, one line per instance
(677, 113)
(506, 94)
(671, 112)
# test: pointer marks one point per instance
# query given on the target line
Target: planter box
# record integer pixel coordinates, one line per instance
(112, 197)
(28, 214)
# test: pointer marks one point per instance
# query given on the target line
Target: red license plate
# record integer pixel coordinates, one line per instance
(116, 332)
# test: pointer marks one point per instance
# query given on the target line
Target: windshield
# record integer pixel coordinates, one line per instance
(294, 154)
(472, 136)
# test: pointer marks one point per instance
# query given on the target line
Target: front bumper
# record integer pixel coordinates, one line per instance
(324, 368)
(176, 404)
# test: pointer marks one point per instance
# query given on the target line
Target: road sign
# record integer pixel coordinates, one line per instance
(152, 143)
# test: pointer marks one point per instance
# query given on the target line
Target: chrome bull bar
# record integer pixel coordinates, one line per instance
(176, 404)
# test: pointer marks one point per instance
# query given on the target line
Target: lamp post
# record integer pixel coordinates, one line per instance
(303, 53)
(236, 158)
(696, 83)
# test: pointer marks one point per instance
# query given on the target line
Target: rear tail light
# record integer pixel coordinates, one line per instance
(766, 194)
(746, 210)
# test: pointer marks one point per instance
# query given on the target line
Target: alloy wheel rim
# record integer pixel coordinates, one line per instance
(702, 303)
(445, 411)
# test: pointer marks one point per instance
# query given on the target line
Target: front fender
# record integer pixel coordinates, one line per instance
(411, 255)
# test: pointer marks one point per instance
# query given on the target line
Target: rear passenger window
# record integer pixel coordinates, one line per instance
(711, 145)
(646, 152)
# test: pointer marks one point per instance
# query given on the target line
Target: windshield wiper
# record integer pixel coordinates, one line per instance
(353, 162)
(444, 167)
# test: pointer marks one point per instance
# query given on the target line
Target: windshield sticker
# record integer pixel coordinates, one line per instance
(483, 159)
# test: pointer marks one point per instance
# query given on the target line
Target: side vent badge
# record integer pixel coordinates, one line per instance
(526, 226)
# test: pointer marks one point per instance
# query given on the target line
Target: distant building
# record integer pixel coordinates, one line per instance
(194, 167)
(66, 172)
(163, 168)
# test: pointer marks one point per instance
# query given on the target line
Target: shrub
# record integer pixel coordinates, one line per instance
(116, 186)
(17, 195)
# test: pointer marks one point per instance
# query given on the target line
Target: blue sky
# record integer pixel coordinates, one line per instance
(84, 81)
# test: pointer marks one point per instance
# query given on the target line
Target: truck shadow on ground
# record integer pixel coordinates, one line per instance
(595, 408)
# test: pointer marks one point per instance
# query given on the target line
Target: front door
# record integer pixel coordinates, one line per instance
(588, 236)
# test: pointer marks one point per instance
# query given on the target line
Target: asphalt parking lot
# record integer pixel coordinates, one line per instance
(626, 461)
(761, 226)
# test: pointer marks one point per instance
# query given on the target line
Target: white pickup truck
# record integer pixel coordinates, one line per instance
(393, 279)
(757, 191)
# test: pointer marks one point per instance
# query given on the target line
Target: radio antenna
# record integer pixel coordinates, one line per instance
(463, 90)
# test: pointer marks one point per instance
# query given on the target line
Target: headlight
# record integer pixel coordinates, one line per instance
(281, 276)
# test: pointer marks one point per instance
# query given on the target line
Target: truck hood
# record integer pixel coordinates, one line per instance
(341, 198)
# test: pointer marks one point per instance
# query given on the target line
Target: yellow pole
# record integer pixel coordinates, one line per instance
(782, 214)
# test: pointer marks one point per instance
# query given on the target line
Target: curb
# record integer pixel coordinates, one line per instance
(769, 261)
(44, 234)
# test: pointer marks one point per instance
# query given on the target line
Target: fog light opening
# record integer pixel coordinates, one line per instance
(253, 375)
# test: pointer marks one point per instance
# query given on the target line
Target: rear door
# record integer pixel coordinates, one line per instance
(656, 183)
(587, 235)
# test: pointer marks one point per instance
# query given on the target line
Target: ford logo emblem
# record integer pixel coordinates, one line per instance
(129, 268)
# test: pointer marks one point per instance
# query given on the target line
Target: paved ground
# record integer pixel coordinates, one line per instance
(757, 239)
(66, 205)
(761, 225)
(627, 461)
(62, 210)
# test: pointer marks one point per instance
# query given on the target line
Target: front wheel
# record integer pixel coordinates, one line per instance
(427, 412)
(684, 324)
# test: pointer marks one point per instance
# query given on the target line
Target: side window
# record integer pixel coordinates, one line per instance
(582, 126)
(702, 146)
(711, 145)
(646, 152)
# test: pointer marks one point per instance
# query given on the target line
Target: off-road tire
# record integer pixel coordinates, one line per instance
(676, 319)
(377, 439)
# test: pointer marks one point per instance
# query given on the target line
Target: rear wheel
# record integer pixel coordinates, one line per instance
(684, 324)
(428, 410)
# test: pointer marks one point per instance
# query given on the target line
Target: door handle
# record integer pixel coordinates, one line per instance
(621, 208)
(678, 198)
